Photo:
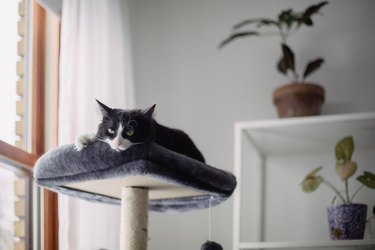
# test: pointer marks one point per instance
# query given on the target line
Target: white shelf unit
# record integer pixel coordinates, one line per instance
(291, 137)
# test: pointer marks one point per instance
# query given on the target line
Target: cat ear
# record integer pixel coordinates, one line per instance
(103, 108)
(149, 111)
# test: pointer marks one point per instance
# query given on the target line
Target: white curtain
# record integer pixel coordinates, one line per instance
(95, 63)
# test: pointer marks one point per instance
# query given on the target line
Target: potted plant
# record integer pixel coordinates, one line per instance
(299, 98)
(347, 220)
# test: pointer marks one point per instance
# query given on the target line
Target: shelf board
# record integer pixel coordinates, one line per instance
(318, 134)
(312, 244)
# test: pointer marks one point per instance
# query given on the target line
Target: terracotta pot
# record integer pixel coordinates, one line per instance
(298, 99)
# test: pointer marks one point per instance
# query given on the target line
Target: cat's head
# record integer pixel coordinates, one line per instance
(122, 128)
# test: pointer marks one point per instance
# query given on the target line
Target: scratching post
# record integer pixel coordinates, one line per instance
(134, 218)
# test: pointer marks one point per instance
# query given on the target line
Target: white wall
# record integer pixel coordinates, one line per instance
(204, 91)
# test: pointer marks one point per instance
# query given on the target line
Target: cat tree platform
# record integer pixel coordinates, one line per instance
(144, 177)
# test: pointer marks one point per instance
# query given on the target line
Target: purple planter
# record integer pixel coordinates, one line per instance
(347, 221)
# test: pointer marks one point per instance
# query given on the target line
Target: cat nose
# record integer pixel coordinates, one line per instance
(118, 143)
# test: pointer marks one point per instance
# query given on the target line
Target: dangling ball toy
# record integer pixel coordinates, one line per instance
(211, 245)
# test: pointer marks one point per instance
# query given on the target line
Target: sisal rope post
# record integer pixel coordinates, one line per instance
(134, 218)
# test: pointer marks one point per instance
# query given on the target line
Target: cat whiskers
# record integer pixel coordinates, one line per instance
(147, 140)
(131, 148)
(99, 139)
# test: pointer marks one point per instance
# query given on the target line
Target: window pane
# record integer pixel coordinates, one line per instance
(14, 48)
(15, 207)
(8, 61)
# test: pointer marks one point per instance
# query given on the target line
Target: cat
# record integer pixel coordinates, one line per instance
(121, 129)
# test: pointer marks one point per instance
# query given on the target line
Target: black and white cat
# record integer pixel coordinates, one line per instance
(121, 129)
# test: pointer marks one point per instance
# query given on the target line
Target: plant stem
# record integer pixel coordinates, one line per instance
(334, 190)
(295, 76)
(347, 190)
(282, 34)
(356, 193)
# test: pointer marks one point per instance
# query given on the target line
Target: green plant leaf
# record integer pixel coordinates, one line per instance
(236, 36)
(313, 9)
(288, 56)
(308, 22)
(244, 23)
(282, 65)
(288, 17)
(367, 179)
(312, 181)
(344, 149)
(267, 22)
(258, 21)
(313, 66)
(346, 169)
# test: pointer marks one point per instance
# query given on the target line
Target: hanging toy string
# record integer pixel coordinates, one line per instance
(210, 219)
(210, 245)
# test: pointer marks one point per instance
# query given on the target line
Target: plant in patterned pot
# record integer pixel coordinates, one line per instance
(299, 97)
(347, 220)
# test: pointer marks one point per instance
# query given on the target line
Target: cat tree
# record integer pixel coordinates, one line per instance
(146, 176)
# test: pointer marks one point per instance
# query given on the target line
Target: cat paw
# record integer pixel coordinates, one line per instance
(83, 141)
(79, 145)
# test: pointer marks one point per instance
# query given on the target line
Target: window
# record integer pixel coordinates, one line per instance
(21, 222)
(16, 207)
(12, 66)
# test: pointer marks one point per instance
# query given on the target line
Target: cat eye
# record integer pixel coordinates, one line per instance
(129, 132)
(111, 131)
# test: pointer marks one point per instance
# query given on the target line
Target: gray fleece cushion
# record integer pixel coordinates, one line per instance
(97, 161)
